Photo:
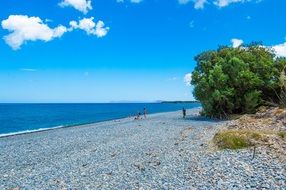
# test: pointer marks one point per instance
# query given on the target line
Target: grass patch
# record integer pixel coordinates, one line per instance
(282, 135)
(232, 139)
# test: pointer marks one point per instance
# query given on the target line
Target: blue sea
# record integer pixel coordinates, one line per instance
(23, 118)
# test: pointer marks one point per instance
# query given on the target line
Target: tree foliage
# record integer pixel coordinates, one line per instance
(236, 80)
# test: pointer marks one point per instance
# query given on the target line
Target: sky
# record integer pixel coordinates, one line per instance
(122, 50)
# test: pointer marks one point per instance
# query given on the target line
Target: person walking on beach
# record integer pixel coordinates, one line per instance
(145, 113)
(184, 113)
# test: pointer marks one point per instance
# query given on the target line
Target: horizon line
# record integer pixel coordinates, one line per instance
(110, 102)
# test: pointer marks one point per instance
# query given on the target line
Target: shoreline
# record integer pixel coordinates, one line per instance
(40, 130)
(163, 151)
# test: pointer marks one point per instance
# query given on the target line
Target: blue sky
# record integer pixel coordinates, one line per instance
(114, 50)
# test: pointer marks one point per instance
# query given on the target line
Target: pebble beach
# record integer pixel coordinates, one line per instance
(163, 151)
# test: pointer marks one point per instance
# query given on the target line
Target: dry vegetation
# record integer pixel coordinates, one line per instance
(266, 128)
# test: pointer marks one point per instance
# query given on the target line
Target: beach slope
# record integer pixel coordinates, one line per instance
(163, 151)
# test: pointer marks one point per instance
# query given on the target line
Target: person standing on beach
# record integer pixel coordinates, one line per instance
(145, 113)
(184, 113)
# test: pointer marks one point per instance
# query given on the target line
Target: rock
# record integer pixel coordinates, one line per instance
(16, 188)
(139, 166)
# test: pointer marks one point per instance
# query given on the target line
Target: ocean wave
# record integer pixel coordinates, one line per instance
(30, 131)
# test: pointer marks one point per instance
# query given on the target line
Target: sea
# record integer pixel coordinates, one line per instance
(26, 118)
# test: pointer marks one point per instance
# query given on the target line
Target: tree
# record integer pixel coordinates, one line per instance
(236, 80)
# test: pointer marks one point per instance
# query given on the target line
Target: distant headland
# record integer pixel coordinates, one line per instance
(180, 102)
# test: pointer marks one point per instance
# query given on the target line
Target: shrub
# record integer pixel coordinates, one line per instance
(236, 139)
(282, 83)
(237, 80)
(282, 135)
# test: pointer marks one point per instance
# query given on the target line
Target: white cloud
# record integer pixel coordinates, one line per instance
(236, 42)
(188, 79)
(90, 27)
(132, 1)
(224, 3)
(280, 49)
(172, 79)
(192, 24)
(28, 70)
(198, 4)
(24, 28)
(183, 1)
(80, 5)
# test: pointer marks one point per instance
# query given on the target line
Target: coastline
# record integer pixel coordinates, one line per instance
(72, 125)
(29, 131)
(47, 123)
(163, 151)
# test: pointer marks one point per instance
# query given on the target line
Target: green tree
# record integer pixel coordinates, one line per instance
(236, 80)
